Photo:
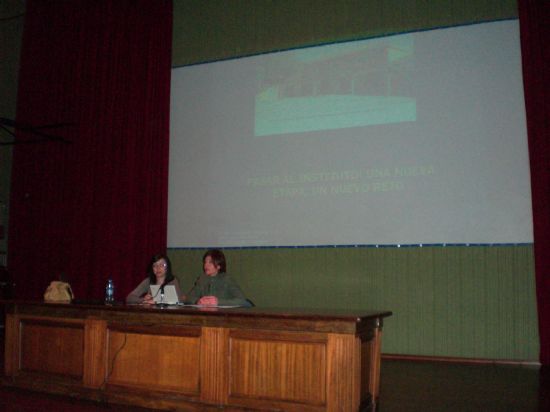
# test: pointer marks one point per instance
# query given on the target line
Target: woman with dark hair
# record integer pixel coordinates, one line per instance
(215, 287)
(158, 273)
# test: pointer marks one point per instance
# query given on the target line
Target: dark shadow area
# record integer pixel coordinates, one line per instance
(410, 386)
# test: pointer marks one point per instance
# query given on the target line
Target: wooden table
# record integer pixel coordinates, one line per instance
(191, 358)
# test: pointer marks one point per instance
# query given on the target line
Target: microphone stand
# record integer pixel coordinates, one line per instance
(161, 303)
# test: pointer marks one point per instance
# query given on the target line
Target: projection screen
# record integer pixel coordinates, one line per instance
(417, 138)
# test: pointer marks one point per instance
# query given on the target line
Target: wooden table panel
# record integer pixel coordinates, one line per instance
(155, 362)
(52, 347)
(214, 361)
(344, 373)
(283, 369)
(95, 353)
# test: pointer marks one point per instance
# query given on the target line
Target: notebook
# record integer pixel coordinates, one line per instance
(170, 296)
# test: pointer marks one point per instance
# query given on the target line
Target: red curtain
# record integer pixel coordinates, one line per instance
(95, 207)
(535, 35)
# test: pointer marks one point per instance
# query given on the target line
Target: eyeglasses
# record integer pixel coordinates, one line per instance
(159, 265)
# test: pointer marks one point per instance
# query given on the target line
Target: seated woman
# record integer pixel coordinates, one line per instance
(159, 273)
(214, 286)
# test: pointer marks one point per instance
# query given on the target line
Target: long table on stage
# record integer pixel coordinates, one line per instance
(187, 358)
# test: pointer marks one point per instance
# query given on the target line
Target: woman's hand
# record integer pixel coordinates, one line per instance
(148, 299)
(208, 300)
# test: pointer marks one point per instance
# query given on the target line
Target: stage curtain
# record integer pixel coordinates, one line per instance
(535, 34)
(95, 73)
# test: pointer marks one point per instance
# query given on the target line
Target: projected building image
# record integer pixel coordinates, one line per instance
(319, 89)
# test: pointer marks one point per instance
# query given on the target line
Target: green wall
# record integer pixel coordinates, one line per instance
(470, 302)
(206, 30)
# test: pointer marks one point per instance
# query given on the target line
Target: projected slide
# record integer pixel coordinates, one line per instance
(337, 86)
(412, 139)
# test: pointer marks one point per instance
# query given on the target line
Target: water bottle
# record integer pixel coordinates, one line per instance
(110, 292)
